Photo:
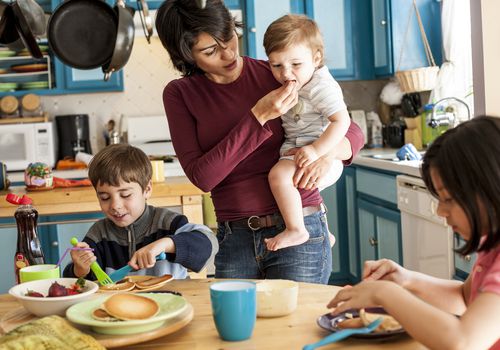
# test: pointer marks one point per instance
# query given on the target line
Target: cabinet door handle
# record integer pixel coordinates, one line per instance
(383, 22)
(55, 243)
(467, 258)
(373, 241)
(253, 30)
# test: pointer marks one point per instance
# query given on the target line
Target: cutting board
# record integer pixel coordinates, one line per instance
(20, 316)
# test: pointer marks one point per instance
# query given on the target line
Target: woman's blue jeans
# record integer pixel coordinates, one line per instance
(243, 254)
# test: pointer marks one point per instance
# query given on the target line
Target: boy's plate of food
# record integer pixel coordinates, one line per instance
(127, 313)
(361, 318)
(136, 283)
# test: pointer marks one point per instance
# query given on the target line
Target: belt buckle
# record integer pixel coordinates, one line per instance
(249, 223)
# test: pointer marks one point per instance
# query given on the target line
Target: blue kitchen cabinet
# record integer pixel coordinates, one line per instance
(60, 229)
(351, 223)
(392, 34)
(341, 205)
(378, 218)
(8, 236)
(379, 232)
(258, 16)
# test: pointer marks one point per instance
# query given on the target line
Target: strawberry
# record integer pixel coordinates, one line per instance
(32, 293)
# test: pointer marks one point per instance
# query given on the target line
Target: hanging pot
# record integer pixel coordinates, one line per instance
(82, 33)
(3, 17)
(124, 41)
(24, 30)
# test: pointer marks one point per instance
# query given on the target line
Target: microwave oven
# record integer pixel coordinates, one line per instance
(22, 144)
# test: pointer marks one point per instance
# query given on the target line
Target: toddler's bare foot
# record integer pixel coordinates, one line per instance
(332, 239)
(287, 238)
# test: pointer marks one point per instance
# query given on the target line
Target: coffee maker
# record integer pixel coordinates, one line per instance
(73, 134)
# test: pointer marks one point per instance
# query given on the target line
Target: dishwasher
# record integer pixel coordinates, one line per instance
(427, 240)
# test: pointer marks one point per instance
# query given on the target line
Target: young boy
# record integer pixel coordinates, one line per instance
(133, 232)
(317, 124)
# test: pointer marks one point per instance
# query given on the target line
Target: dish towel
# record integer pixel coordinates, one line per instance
(48, 333)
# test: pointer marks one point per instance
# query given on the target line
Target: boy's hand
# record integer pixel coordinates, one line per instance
(305, 156)
(82, 260)
(146, 256)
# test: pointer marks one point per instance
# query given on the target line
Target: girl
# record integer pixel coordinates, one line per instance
(462, 170)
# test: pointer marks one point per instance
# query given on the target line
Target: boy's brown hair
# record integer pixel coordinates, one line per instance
(120, 162)
(291, 30)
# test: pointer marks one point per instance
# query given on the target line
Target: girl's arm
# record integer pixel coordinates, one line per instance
(445, 294)
(477, 328)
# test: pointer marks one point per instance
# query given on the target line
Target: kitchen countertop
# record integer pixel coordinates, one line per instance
(408, 167)
(175, 191)
(288, 332)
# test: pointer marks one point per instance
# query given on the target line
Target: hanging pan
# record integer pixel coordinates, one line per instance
(124, 41)
(24, 29)
(82, 33)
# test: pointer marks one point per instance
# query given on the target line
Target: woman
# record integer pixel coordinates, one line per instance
(224, 122)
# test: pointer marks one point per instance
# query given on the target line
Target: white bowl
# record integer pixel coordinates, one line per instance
(276, 297)
(50, 305)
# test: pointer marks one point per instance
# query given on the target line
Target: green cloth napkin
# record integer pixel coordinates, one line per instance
(48, 333)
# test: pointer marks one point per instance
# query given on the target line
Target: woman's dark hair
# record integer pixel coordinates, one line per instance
(179, 22)
(467, 159)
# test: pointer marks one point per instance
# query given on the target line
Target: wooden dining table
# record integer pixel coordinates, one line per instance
(287, 332)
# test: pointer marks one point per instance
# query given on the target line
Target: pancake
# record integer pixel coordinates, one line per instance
(355, 322)
(102, 315)
(389, 323)
(127, 306)
(118, 287)
(153, 282)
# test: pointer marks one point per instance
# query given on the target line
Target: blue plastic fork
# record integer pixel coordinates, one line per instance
(124, 271)
(332, 338)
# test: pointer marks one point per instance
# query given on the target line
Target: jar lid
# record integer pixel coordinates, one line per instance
(30, 102)
(9, 104)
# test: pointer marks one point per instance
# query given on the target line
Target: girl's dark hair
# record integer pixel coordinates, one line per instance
(179, 22)
(467, 159)
(120, 162)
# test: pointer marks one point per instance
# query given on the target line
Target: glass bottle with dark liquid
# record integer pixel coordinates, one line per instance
(29, 250)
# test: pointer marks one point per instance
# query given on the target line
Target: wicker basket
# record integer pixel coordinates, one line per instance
(419, 79)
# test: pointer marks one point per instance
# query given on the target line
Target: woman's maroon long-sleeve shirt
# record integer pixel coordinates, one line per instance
(223, 148)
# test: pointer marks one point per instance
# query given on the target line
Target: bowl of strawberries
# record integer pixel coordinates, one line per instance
(53, 296)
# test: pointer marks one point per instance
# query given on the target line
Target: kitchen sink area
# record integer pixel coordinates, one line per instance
(386, 159)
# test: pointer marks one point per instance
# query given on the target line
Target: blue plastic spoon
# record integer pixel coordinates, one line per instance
(125, 270)
(332, 338)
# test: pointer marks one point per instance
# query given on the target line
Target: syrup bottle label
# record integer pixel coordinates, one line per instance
(20, 261)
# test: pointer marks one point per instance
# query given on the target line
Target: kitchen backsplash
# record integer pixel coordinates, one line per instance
(146, 73)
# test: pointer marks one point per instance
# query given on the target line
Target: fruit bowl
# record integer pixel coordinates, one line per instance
(45, 306)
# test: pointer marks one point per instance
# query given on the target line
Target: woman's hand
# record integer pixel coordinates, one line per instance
(385, 269)
(305, 155)
(364, 294)
(276, 103)
(146, 256)
(82, 259)
(309, 176)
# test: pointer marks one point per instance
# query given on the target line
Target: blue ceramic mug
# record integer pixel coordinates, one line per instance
(234, 309)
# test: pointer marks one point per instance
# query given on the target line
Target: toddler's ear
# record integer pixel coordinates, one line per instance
(317, 58)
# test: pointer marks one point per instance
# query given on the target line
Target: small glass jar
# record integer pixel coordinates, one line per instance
(9, 105)
(31, 106)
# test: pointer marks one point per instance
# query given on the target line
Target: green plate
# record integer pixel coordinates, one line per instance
(7, 53)
(35, 85)
(170, 306)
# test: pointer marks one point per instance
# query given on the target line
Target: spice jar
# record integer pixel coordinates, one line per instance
(9, 106)
(31, 106)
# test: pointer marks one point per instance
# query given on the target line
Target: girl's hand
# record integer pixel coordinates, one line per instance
(305, 156)
(309, 176)
(82, 259)
(362, 295)
(276, 103)
(385, 269)
(146, 256)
